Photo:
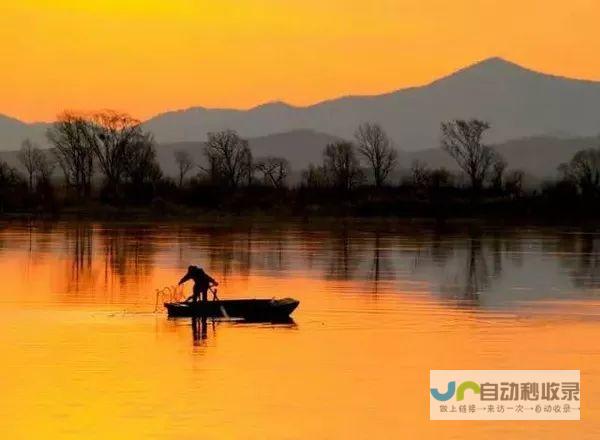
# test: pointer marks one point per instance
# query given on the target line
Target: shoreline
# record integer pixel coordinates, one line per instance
(186, 215)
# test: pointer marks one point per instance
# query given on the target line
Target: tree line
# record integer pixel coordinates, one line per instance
(109, 156)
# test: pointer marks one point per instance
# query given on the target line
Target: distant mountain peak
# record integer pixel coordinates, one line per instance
(499, 68)
(495, 61)
(10, 119)
(273, 105)
(495, 66)
(516, 100)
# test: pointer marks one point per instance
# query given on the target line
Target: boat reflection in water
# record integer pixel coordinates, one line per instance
(200, 325)
(382, 303)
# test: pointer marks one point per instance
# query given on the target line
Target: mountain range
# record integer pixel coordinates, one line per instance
(541, 111)
(517, 102)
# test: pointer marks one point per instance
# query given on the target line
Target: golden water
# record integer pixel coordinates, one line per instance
(84, 356)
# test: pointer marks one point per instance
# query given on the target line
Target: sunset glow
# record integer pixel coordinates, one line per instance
(149, 56)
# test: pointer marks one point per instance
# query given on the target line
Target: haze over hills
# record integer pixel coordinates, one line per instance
(537, 156)
(520, 104)
(13, 132)
(517, 101)
(303, 147)
(299, 147)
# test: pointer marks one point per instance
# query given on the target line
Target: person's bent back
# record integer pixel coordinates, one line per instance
(202, 282)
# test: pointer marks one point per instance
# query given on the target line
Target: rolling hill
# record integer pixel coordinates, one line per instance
(13, 132)
(517, 101)
(299, 147)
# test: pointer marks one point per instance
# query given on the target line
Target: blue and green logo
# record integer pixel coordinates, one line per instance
(452, 390)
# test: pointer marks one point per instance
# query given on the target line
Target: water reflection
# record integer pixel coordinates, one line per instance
(472, 275)
(344, 252)
(80, 244)
(485, 267)
(200, 330)
(127, 253)
(381, 304)
(204, 328)
(581, 255)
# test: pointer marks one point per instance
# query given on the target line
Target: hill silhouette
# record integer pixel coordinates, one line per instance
(519, 103)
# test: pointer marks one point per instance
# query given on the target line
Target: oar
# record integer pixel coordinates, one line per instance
(216, 298)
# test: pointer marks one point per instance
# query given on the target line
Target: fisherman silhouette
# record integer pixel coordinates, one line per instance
(202, 282)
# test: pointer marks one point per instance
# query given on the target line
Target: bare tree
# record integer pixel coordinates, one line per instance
(439, 178)
(420, 174)
(44, 167)
(110, 135)
(140, 164)
(10, 183)
(229, 157)
(514, 183)
(247, 166)
(342, 166)
(498, 168)
(28, 156)
(584, 170)
(274, 170)
(184, 164)
(463, 141)
(314, 177)
(9, 176)
(376, 147)
(213, 170)
(69, 138)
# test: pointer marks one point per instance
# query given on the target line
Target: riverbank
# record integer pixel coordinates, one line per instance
(299, 204)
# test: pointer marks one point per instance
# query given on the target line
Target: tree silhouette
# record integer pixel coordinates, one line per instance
(44, 166)
(72, 151)
(584, 170)
(463, 141)
(274, 170)
(111, 136)
(376, 147)
(29, 156)
(140, 165)
(229, 157)
(184, 164)
(498, 168)
(342, 166)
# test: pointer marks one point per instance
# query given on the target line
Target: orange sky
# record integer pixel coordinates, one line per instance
(148, 56)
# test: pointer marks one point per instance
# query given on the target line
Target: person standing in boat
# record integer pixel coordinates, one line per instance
(202, 282)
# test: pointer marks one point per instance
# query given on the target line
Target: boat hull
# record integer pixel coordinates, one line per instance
(249, 309)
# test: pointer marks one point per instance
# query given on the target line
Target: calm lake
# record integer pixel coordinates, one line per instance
(382, 303)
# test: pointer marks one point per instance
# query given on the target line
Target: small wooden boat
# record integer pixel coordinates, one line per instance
(249, 309)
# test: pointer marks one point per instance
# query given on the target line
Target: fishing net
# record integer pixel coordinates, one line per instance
(168, 294)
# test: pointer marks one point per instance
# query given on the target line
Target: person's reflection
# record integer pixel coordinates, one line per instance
(200, 330)
(200, 327)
